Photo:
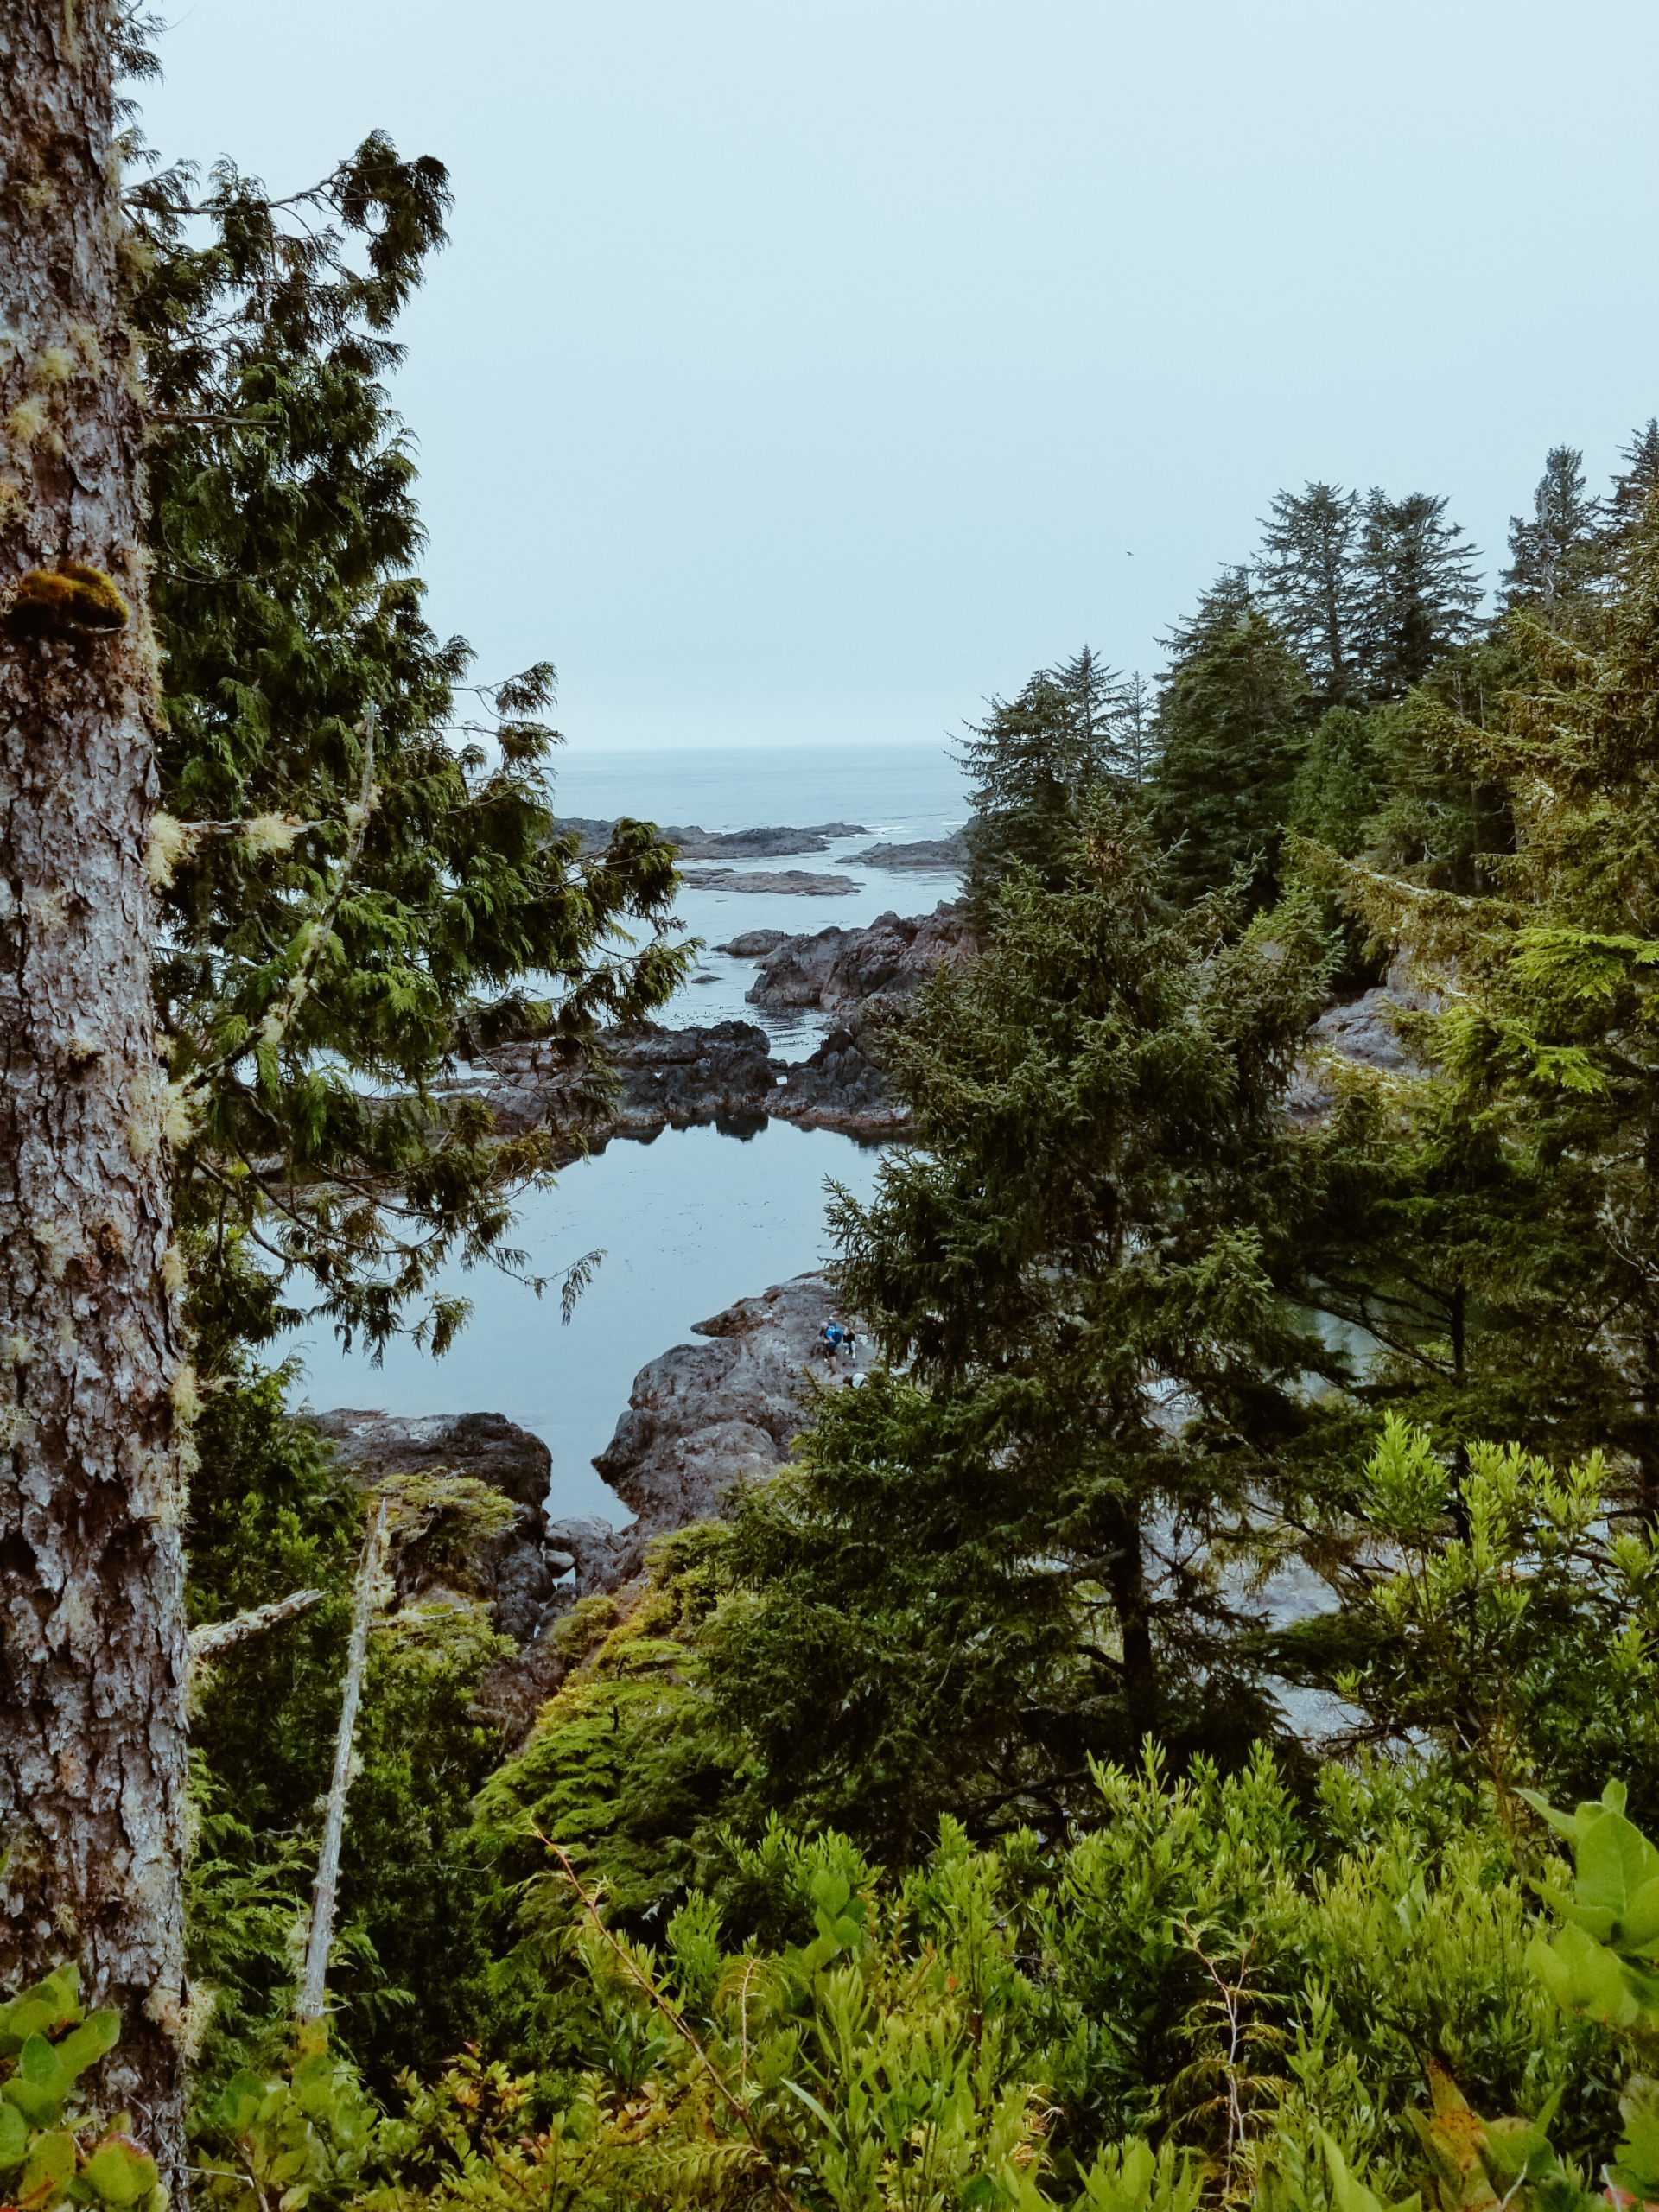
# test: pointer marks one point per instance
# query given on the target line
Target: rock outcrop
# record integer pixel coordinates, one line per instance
(702, 1420)
(670, 1079)
(695, 844)
(1361, 1030)
(843, 971)
(840, 1087)
(924, 852)
(724, 1071)
(504, 1565)
(798, 881)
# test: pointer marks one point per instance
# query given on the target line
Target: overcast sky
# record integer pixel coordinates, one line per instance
(810, 368)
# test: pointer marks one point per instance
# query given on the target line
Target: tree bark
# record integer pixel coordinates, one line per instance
(95, 1403)
(1126, 1580)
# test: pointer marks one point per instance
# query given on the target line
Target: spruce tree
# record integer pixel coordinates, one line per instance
(1034, 760)
(1230, 738)
(1637, 482)
(1310, 579)
(1551, 551)
(991, 1563)
(1545, 1038)
(1420, 590)
(97, 1399)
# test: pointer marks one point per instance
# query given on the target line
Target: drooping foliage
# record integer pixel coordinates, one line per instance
(359, 868)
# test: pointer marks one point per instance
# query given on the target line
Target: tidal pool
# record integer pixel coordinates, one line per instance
(688, 1223)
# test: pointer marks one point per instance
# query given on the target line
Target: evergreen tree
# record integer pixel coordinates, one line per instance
(1637, 482)
(1545, 1040)
(1420, 590)
(359, 871)
(980, 1574)
(1339, 783)
(96, 1401)
(1311, 583)
(1034, 760)
(1551, 552)
(1228, 743)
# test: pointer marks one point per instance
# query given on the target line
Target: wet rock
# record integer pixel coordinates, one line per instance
(669, 1079)
(504, 1567)
(838, 969)
(799, 880)
(751, 943)
(705, 1419)
(924, 852)
(676, 1077)
(841, 1087)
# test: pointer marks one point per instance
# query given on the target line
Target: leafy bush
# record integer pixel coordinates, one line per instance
(55, 2146)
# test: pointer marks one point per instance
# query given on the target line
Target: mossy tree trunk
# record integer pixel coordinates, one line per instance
(94, 1402)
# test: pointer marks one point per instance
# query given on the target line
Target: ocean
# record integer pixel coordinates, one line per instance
(693, 1219)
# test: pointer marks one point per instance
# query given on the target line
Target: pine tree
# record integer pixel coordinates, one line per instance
(1230, 737)
(1421, 590)
(1311, 581)
(96, 1401)
(985, 1571)
(1551, 552)
(1034, 760)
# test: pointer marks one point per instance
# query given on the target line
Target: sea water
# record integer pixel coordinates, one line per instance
(694, 1219)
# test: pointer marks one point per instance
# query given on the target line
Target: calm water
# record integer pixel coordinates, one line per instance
(900, 793)
(693, 1220)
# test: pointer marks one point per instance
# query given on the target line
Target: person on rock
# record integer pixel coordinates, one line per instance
(830, 1337)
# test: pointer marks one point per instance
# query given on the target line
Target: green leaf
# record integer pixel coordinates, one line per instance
(47, 2171)
(1347, 2193)
(85, 2046)
(50, 2006)
(119, 2171)
(14, 2138)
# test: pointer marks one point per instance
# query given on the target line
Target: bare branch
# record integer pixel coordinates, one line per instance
(217, 1637)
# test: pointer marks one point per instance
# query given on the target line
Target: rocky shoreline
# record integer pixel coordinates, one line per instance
(705, 1419)
(725, 1071)
(702, 1421)
(693, 842)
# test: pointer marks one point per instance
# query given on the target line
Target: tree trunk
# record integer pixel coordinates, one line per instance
(1125, 1579)
(94, 1403)
(313, 1983)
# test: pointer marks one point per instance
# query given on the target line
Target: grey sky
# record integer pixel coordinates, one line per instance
(813, 367)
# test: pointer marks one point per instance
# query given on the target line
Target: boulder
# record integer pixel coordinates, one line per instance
(703, 1419)
(840, 1087)
(838, 969)
(505, 1566)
